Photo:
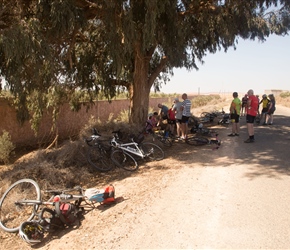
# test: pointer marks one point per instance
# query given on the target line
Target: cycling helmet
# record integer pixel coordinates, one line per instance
(264, 96)
(31, 232)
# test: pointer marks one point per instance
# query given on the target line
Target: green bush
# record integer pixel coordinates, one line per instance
(6, 147)
(285, 94)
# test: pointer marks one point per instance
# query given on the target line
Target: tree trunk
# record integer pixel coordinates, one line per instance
(140, 92)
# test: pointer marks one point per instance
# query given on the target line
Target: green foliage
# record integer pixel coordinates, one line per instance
(51, 50)
(285, 94)
(6, 147)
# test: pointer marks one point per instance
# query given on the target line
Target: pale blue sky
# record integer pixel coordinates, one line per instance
(253, 65)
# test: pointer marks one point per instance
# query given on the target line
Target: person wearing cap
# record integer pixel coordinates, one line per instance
(265, 106)
(235, 110)
(178, 116)
(252, 111)
(271, 110)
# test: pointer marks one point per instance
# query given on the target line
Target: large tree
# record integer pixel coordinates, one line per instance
(60, 46)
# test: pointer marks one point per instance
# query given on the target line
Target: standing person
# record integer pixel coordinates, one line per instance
(178, 116)
(171, 121)
(271, 110)
(185, 107)
(252, 110)
(235, 110)
(265, 106)
(244, 104)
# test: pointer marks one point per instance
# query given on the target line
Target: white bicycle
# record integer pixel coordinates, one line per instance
(123, 153)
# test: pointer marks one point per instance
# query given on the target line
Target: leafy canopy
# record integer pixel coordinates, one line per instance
(52, 51)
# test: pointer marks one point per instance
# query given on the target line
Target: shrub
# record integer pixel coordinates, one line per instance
(285, 94)
(6, 147)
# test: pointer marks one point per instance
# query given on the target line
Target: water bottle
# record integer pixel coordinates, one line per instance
(66, 196)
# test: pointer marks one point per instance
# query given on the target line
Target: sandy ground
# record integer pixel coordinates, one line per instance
(236, 197)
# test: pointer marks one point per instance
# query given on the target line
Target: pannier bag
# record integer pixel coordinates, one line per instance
(105, 195)
(67, 212)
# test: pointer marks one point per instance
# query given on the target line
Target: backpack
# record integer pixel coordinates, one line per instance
(105, 195)
(171, 114)
(67, 212)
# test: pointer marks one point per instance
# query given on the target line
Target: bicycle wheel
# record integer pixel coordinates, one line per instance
(100, 159)
(11, 214)
(166, 141)
(124, 160)
(152, 151)
(197, 141)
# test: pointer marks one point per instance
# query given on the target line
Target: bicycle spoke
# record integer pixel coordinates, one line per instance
(152, 151)
(100, 159)
(12, 214)
(124, 160)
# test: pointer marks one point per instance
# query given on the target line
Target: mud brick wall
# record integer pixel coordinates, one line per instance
(69, 123)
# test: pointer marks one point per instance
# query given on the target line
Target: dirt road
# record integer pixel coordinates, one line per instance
(198, 198)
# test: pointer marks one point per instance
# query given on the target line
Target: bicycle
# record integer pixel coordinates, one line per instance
(122, 154)
(99, 153)
(200, 141)
(22, 202)
(206, 117)
(163, 136)
(199, 129)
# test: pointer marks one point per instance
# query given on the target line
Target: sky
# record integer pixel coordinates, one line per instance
(253, 65)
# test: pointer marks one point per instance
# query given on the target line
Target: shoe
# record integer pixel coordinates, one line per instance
(270, 123)
(237, 134)
(264, 123)
(231, 135)
(249, 140)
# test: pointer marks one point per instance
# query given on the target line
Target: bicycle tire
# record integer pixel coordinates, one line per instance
(152, 151)
(124, 160)
(166, 141)
(100, 159)
(12, 215)
(197, 141)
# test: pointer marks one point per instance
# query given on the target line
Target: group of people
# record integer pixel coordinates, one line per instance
(250, 107)
(176, 117)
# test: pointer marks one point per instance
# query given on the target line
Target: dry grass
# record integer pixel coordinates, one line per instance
(67, 166)
(284, 101)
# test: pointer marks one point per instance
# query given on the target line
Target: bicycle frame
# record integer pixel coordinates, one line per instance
(130, 147)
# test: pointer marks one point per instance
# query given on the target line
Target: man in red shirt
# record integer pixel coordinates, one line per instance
(252, 110)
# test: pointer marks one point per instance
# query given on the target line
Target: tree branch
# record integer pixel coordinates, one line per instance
(157, 70)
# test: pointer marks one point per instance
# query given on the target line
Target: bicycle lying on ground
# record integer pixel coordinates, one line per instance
(161, 135)
(23, 202)
(23, 209)
(201, 130)
(200, 141)
(105, 155)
